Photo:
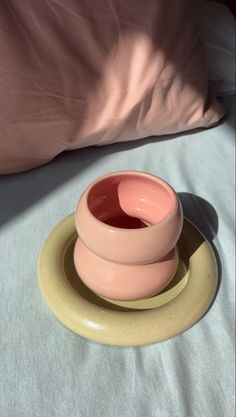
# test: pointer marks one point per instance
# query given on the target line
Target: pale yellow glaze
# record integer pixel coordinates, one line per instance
(130, 323)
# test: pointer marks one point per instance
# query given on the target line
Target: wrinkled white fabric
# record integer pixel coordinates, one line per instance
(46, 370)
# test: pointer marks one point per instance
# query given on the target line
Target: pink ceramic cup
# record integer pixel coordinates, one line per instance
(122, 281)
(129, 217)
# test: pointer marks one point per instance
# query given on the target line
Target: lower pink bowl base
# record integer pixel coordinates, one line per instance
(120, 281)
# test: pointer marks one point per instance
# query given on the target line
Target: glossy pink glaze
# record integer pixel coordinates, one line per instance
(129, 217)
(123, 282)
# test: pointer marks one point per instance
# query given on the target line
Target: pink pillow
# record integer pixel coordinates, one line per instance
(79, 73)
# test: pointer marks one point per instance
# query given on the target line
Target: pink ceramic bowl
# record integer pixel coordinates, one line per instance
(129, 217)
(123, 282)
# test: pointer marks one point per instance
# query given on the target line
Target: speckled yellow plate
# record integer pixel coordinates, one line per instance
(127, 323)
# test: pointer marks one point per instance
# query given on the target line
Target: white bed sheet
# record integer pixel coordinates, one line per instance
(46, 370)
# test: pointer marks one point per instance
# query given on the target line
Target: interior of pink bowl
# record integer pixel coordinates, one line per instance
(131, 201)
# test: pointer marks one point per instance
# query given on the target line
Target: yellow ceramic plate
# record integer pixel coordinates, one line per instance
(127, 323)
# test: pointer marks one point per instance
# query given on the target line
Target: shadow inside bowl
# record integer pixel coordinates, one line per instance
(187, 247)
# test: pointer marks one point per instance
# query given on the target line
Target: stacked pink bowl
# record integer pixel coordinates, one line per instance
(128, 225)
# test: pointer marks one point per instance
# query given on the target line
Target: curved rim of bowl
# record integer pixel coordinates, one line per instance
(173, 210)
